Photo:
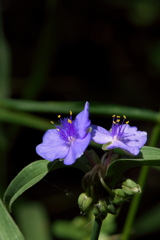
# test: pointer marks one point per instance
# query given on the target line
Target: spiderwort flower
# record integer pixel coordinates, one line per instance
(121, 135)
(69, 140)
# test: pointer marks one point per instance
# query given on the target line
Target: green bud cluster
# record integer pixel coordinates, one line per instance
(129, 187)
(108, 204)
(100, 209)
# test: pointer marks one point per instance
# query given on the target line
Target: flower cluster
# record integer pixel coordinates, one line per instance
(70, 138)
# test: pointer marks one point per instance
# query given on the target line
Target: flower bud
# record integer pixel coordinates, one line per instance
(111, 209)
(120, 197)
(85, 203)
(100, 209)
(130, 187)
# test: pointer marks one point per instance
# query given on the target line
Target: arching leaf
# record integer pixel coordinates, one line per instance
(32, 174)
(148, 156)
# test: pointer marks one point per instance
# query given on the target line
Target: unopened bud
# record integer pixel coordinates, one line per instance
(100, 209)
(85, 203)
(120, 197)
(130, 187)
(111, 209)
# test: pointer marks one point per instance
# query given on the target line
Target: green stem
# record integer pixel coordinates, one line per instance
(106, 187)
(96, 229)
(141, 180)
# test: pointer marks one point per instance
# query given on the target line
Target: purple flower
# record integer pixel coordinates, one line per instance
(121, 135)
(69, 140)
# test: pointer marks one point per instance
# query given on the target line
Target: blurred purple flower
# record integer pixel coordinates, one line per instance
(121, 135)
(69, 140)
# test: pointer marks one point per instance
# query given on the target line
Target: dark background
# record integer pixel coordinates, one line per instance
(95, 50)
(105, 51)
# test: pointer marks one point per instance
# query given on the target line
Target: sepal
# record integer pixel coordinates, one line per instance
(104, 146)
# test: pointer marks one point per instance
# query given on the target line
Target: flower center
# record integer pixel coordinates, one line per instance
(118, 127)
(67, 129)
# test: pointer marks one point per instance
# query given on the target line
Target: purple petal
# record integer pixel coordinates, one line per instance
(82, 121)
(76, 149)
(132, 137)
(53, 146)
(133, 150)
(139, 139)
(101, 135)
(51, 136)
(129, 129)
(142, 137)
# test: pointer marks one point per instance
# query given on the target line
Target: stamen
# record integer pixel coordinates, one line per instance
(59, 116)
(52, 122)
(113, 116)
(123, 122)
(124, 118)
(117, 125)
(69, 121)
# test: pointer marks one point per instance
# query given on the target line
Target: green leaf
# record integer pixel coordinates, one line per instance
(25, 179)
(32, 174)
(8, 228)
(148, 156)
(97, 108)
